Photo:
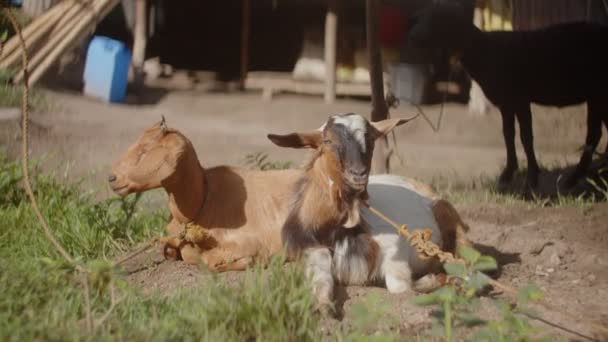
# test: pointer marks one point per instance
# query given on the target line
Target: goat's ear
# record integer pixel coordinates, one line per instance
(384, 127)
(297, 140)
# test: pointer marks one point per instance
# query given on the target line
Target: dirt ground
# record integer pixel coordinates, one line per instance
(562, 249)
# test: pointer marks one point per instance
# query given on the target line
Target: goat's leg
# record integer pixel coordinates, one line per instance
(229, 257)
(524, 116)
(594, 133)
(508, 130)
(318, 268)
(397, 274)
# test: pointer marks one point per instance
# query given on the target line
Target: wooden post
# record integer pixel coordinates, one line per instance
(380, 163)
(331, 37)
(140, 40)
(478, 103)
(244, 44)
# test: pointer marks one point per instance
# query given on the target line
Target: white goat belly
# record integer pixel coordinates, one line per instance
(397, 198)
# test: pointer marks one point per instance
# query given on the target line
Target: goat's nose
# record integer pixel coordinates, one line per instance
(111, 178)
(360, 172)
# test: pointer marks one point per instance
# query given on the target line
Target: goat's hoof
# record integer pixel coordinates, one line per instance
(531, 183)
(171, 252)
(571, 181)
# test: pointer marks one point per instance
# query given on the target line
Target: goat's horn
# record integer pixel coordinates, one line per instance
(163, 124)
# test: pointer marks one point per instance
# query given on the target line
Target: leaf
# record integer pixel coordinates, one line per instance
(446, 294)
(469, 254)
(456, 269)
(4, 36)
(477, 281)
(530, 293)
(471, 320)
(426, 299)
(485, 263)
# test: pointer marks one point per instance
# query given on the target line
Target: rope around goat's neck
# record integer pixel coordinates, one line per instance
(204, 200)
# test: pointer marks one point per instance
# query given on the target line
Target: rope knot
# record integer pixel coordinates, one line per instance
(194, 233)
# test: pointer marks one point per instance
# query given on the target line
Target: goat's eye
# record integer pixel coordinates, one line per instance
(327, 142)
(141, 156)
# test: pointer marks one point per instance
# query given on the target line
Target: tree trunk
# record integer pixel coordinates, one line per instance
(34, 8)
(380, 162)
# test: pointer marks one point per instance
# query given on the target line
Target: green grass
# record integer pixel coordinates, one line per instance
(11, 96)
(484, 189)
(43, 298)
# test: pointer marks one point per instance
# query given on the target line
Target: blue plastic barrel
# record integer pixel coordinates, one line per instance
(106, 69)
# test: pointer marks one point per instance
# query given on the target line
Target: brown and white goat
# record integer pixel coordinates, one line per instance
(242, 210)
(324, 225)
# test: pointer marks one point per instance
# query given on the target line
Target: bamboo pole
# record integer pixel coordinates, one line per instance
(331, 35)
(70, 16)
(37, 29)
(86, 33)
(35, 8)
(13, 43)
(73, 15)
(79, 30)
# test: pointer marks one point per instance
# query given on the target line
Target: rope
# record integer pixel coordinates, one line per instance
(393, 102)
(25, 146)
(421, 241)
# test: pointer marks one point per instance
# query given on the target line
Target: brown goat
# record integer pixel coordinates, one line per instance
(325, 228)
(242, 210)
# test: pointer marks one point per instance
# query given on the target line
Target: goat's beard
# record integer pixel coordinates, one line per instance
(353, 216)
(353, 203)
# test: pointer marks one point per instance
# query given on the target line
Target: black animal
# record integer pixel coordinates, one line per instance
(561, 65)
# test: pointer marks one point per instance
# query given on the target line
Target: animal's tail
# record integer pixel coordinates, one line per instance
(453, 229)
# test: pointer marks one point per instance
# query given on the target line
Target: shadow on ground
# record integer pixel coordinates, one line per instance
(502, 258)
(551, 184)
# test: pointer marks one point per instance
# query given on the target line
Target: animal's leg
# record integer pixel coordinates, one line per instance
(171, 247)
(605, 119)
(229, 257)
(174, 228)
(508, 130)
(172, 242)
(397, 274)
(524, 116)
(594, 133)
(191, 254)
(318, 265)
